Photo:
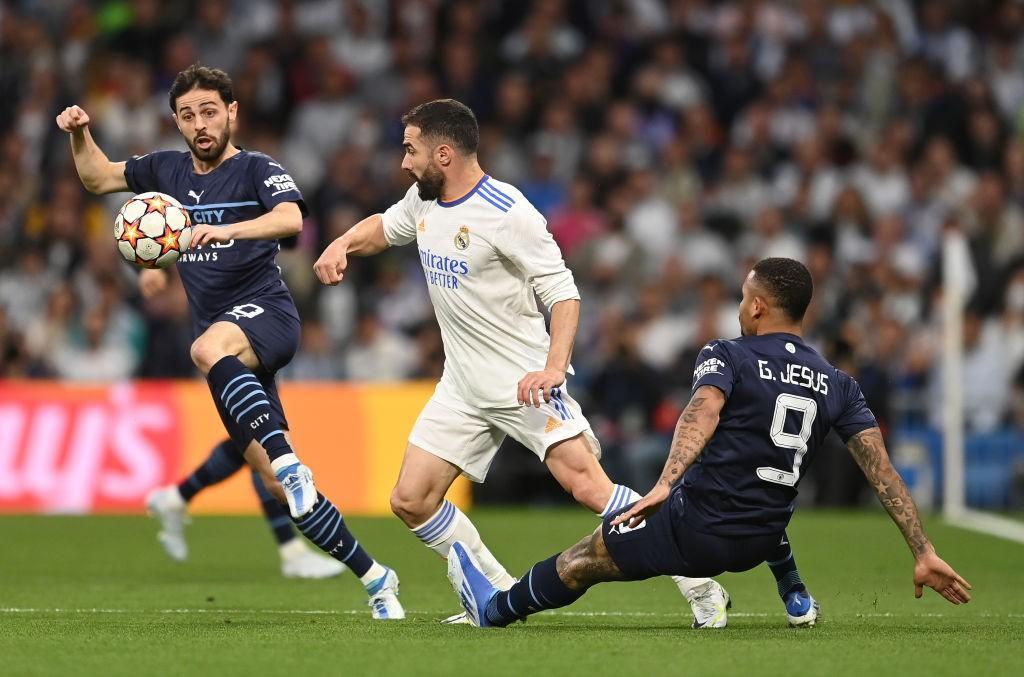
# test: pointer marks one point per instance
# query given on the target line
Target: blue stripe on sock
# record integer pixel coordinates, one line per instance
(250, 408)
(280, 521)
(350, 552)
(329, 527)
(508, 601)
(434, 526)
(239, 389)
(237, 378)
(318, 511)
(255, 393)
(269, 435)
(529, 584)
(438, 525)
(614, 501)
(781, 561)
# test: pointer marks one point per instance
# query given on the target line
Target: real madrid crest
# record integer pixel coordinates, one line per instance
(462, 238)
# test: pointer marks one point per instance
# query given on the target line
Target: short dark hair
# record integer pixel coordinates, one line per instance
(201, 77)
(446, 120)
(789, 284)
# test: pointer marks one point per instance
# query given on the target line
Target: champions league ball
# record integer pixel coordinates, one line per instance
(152, 230)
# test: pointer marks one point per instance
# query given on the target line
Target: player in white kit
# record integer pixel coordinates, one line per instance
(486, 253)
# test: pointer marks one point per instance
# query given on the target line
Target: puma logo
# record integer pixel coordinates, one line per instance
(192, 194)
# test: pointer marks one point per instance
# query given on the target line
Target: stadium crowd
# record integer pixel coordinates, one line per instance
(669, 143)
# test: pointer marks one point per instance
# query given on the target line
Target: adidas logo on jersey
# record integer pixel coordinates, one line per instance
(422, 227)
(553, 423)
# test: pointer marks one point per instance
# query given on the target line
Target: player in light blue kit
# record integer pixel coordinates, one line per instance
(246, 326)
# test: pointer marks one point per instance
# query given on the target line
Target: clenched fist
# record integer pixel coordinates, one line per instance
(73, 119)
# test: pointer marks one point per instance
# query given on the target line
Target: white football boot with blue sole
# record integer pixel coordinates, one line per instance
(471, 586)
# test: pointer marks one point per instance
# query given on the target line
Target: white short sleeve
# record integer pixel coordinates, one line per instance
(400, 219)
(525, 241)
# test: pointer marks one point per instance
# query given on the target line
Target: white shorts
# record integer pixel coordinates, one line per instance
(468, 437)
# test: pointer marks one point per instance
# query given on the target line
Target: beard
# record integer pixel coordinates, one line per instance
(430, 184)
(216, 149)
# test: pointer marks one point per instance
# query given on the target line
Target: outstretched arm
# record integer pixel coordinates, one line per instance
(98, 174)
(366, 238)
(695, 427)
(868, 450)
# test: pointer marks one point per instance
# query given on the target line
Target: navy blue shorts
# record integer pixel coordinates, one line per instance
(271, 323)
(667, 545)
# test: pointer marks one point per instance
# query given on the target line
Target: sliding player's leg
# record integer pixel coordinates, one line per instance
(802, 610)
(168, 504)
(418, 498)
(561, 436)
(297, 559)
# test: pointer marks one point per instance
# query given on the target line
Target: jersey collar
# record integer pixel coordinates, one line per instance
(465, 197)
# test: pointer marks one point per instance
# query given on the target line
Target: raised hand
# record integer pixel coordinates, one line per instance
(73, 119)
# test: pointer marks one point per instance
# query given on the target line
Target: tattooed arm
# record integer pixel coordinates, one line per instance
(868, 450)
(696, 425)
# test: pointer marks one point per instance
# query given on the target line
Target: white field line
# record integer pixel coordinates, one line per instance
(354, 612)
(994, 525)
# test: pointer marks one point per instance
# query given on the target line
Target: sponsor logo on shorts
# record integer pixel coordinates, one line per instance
(553, 423)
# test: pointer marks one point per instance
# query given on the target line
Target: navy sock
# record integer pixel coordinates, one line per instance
(223, 462)
(245, 407)
(783, 566)
(325, 526)
(539, 590)
(277, 516)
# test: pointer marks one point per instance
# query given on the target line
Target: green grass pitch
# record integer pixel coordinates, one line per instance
(96, 596)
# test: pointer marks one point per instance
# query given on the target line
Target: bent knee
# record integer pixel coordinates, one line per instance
(205, 353)
(411, 508)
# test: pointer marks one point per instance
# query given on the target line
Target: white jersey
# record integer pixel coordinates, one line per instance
(484, 256)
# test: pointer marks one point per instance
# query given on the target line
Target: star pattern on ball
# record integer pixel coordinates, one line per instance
(168, 241)
(156, 204)
(131, 233)
(144, 263)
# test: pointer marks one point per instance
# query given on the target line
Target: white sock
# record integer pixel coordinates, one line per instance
(372, 574)
(449, 524)
(623, 496)
(620, 498)
(283, 461)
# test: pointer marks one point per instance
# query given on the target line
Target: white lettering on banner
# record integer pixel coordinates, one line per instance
(12, 426)
(70, 456)
(132, 447)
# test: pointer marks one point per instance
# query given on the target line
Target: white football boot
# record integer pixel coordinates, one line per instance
(298, 560)
(297, 482)
(383, 592)
(168, 507)
(710, 604)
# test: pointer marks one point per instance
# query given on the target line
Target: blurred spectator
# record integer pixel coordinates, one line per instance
(670, 144)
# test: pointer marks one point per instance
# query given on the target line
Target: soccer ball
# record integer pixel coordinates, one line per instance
(152, 230)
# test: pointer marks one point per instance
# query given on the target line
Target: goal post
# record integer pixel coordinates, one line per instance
(957, 284)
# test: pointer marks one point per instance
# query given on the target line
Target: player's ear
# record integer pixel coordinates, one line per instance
(444, 155)
(232, 111)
